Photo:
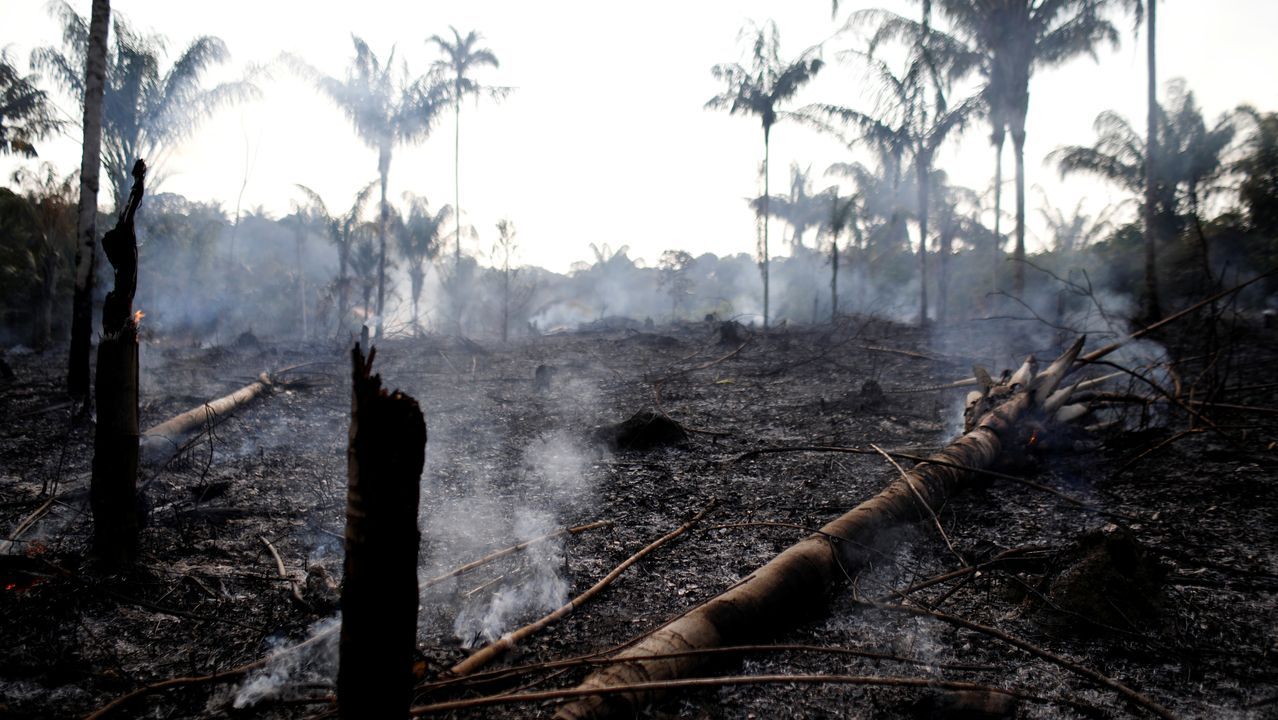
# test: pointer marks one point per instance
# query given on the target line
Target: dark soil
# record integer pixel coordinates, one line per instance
(1170, 590)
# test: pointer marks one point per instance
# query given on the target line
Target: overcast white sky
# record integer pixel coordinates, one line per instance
(605, 139)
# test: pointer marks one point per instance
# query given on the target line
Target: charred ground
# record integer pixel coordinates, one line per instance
(1170, 589)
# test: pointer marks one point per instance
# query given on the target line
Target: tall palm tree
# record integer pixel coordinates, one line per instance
(1186, 160)
(420, 237)
(760, 90)
(461, 57)
(387, 108)
(25, 113)
(86, 253)
(916, 116)
(1006, 41)
(341, 232)
(146, 112)
(1152, 309)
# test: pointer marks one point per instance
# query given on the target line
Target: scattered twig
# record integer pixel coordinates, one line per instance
(499, 554)
(1081, 670)
(710, 682)
(1156, 447)
(279, 565)
(491, 651)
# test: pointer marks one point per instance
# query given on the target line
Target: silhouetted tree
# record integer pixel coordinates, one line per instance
(387, 108)
(1258, 189)
(1188, 158)
(86, 253)
(50, 202)
(760, 90)
(25, 113)
(503, 249)
(914, 116)
(674, 278)
(461, 58)
(146, 112)
(420, 238)
(340, 230)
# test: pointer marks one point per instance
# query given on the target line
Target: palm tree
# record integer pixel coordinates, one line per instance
(914, 116)
(341, 232)
(146, 113)
(802, 209)
(366, 263)
(387, 108)
(461, 58)
(1187, 159)
(1006, 41)
(25, 113)
(86, 254)
(420, 237)
(1077, 230)
(841, 216)
(760, 90)
(1152, 309)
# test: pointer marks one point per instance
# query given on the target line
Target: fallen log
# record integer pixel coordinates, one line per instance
(163, 441)
(794, 585)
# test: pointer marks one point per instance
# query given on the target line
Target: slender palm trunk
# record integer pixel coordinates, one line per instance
(1204, 253)
(996, 246)
(766, 198)
(457, 166)
(343, 284)
(834, 280)
(921, 173)
(383, 166)
(1018, 272)
(1151, 310)
(943, 277)
(86, 256)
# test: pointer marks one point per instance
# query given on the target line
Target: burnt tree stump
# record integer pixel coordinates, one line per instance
(113, 490)
(385, 457)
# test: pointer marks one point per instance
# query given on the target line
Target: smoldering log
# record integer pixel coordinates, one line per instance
(161, 442)
(385, 456)
(113, 491)
(793, 586)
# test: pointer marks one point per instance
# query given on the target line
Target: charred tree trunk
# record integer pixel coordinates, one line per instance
(86, 254)
(794, 585)
(379, 593)
(113, 492)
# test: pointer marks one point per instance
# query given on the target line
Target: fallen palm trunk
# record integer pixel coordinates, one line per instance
(379, 590)
(113, 489)
(794, 585)
(165, 440)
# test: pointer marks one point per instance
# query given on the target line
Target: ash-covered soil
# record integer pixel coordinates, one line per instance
(1164, 579)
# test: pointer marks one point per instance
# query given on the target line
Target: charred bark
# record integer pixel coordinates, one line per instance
(113, 492)
(379, 593)
(794, 585)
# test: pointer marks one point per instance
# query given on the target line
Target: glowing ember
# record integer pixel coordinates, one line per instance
(137, 316)
(1033, 438)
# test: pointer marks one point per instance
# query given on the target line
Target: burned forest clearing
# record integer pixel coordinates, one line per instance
(1138, 553)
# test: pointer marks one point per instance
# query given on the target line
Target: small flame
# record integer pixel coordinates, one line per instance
(1033, 438)
(137, 317)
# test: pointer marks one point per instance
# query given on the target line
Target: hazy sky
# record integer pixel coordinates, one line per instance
(605, 139)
